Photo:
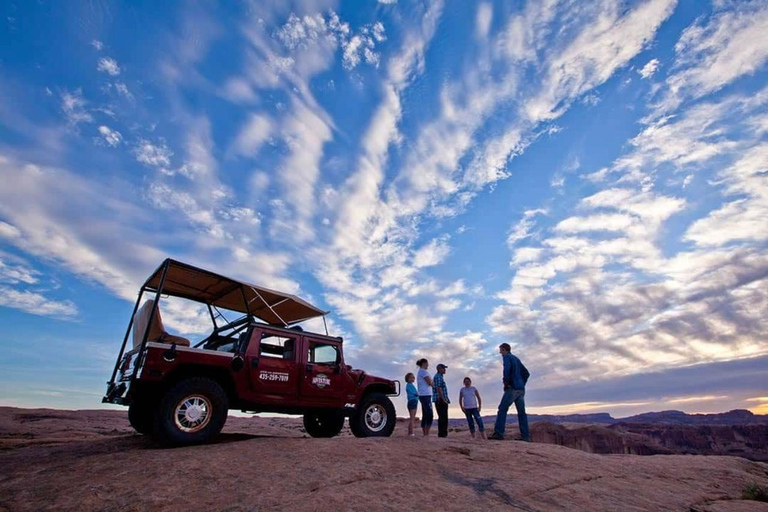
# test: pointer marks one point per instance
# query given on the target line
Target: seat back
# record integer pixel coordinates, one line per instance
(288, 349)
(141, 323)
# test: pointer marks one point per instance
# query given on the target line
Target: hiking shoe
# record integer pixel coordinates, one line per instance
(496, 437)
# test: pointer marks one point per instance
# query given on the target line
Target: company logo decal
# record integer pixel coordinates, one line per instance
(273, 376)
(321, 380)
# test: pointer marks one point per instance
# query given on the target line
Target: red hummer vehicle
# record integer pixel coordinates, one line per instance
(260, 362)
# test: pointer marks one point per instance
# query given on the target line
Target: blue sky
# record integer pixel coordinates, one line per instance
(585, 180)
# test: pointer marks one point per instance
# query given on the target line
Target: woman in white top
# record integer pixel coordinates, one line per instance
(424, 385)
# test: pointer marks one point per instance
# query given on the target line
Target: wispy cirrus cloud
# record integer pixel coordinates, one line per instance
(597, 287)
(109, 66)
(36, 303)
(714, 52)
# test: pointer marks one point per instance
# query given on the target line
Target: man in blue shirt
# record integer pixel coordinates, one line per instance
(515, 377)
(440, 397)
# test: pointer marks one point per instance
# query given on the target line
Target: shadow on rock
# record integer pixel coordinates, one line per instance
(483, 486)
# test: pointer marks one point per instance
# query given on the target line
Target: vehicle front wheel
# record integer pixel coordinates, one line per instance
(192, 411)
(375, 417)
(140, 416)
(323, 424)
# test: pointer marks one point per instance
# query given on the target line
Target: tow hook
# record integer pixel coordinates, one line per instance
(169, 355)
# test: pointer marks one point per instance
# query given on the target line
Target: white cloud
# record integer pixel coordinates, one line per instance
(447, 305)
(712, 54)
(455, 288)
(684, 141)
(649, 69)
(122, 90)
(742, 219)
(15, 271)
(483, 20)
(45, 208)
(522, 229)
(97, 44)
(607, 289)
(111, 137)
(599, 222)
(591, 100)
(608, 42)
(597, 176)
(305, 134)
(254, 133)
(154, 155)
(432, 254)
(36, 304)
(302, 33)
(109, 66)
(73, 105)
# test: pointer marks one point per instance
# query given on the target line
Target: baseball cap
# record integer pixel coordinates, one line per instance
(441, 365)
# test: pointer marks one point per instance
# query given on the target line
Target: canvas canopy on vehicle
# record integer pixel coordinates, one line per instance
(182, 280)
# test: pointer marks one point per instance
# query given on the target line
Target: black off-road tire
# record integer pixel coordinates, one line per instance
(364, 422)
(323, 423)
(183, 404)
(141, 415)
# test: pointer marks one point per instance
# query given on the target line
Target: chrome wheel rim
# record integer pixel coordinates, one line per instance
(192, 414)
(376, 417)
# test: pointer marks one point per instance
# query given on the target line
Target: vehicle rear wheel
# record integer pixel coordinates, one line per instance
(375, 417)
(324, 423)
(192, 411)
(140, 415)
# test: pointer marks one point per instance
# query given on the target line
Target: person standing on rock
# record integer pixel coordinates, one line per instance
(471, 403)
(440, 396)
(515, 377)
(424, 386)
(413, 401)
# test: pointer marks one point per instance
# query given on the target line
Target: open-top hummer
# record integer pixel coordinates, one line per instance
(260, 362)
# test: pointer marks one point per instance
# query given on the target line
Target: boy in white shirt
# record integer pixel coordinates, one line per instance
(471, 404)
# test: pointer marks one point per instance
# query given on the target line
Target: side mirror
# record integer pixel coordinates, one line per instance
(237, 363)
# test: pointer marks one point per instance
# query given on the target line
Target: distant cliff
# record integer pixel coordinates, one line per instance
(734, 417)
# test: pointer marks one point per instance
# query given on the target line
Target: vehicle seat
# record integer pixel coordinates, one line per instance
(288, 349)
(156, 331)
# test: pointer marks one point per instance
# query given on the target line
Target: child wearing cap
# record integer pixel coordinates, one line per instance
(471, 403)
(413, 401)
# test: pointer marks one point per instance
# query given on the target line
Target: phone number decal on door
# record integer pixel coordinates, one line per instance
(274, 376)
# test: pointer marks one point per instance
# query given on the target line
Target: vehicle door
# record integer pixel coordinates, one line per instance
(324, 379)
(272, 361)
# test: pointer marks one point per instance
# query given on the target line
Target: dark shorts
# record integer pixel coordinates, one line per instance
(413, 404)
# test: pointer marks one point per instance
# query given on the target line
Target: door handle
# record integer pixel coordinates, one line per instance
(254, 362)
(309, 368)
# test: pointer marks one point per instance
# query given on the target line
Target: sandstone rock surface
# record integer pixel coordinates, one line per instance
(91, 460)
